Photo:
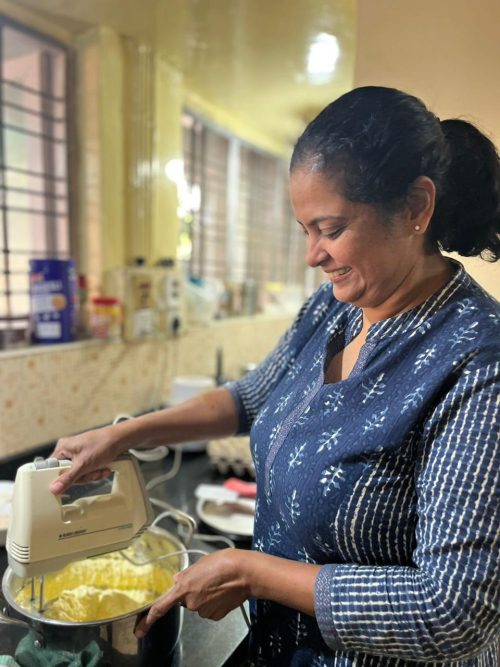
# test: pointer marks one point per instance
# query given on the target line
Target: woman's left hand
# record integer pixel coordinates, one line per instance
(215, 585)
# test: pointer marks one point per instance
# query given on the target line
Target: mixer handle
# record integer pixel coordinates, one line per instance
(182, 519)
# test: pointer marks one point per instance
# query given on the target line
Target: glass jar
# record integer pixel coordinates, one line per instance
(105, 317)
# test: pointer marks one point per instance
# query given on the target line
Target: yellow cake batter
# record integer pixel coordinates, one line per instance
(104, 586)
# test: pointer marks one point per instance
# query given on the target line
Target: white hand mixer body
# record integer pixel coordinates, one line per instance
(44, 534)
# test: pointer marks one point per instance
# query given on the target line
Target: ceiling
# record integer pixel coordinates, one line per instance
(268, 63)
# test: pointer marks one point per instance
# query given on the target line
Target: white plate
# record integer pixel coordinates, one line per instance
(226, 519)
(6, 491)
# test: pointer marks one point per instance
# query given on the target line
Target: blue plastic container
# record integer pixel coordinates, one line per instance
(53, 296)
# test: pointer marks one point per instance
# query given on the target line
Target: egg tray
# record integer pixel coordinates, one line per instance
(232, 456)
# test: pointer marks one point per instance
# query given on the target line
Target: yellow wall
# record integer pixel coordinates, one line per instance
(167, 145)
(130, 101)
(28, 18)
(445, 52)
(228, 122)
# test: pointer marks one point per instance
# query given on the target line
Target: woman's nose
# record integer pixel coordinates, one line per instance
(315, 253)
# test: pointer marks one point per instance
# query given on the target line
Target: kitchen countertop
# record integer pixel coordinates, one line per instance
(203, 642)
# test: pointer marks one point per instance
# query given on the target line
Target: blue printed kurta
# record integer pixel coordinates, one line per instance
(389, 479)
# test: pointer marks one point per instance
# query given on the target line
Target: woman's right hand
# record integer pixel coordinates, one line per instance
(91, 453)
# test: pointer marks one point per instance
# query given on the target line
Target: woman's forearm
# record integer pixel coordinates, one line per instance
(209, 415)
(284, 581)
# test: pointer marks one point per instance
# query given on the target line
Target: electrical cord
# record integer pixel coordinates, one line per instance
(214, 538)
(176, 465)
(146, 455)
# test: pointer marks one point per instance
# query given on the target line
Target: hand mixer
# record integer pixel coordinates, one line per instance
(44, 534)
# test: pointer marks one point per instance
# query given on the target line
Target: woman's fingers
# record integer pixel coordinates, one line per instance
(89, 455)
(75, 475)
(212, 587)
(65, 480)
(159, 609)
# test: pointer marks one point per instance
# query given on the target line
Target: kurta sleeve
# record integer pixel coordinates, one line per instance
(447, 606)
(251, 392)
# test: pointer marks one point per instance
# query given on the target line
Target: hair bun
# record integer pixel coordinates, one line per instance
(467, 217)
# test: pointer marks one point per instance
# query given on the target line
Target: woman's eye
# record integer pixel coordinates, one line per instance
(332, 234)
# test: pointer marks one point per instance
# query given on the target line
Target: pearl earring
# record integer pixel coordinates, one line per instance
(417, 228)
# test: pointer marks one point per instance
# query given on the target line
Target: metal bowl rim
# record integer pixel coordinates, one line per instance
(9, 574)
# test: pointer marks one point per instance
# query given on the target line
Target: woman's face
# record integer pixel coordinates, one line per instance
(367, 260)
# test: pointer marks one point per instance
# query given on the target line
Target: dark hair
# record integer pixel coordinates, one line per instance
(376, 141)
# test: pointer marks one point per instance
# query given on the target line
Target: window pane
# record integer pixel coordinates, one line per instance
(26, 232)
(21, 179)
(19, 262)
(12, 93)
(25, 118)
(18, 282)
(33, 201)
(60, 205)
(34, 121)
(24, 57)
(20, 305)
(63, 241)
(23, 151)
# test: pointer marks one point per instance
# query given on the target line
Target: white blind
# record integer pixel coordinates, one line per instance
(206, 169)
(241, 228)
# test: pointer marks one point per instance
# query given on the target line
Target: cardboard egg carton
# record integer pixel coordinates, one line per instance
(232, 456)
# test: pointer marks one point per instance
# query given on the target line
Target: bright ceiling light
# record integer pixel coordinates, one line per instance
(322, 58)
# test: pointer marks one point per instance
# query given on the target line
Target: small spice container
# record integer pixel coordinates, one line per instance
(105, 317)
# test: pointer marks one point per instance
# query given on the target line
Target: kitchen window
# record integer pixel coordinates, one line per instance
(34, 180)
(236, 222)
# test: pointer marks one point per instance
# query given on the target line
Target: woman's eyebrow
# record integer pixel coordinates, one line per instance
(323, 218)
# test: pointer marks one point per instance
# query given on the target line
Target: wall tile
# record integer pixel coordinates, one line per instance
(47, 393)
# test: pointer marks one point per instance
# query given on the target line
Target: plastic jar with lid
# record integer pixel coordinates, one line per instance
(105, 317)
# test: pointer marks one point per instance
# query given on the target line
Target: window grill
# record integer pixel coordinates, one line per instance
(34, 181)
(241, 228)
(206, 166)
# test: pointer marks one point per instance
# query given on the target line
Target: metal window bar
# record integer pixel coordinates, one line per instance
(29, 89)
(30, 172)
(32, 252)
(46, 212)
(33, 112)
(33, 133)
(49, 181)
(28, 191)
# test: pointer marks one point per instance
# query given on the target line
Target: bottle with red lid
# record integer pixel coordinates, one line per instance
(105, 317)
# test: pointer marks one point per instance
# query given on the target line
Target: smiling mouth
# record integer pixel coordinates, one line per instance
(339, 272)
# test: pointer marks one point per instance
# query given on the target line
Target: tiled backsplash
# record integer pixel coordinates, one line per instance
(48, 392)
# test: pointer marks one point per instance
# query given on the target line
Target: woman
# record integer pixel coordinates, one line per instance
(374, 423)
